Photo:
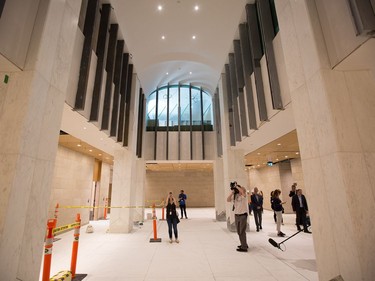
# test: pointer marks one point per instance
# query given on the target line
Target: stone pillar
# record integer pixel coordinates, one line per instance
(31, 110)
(139, 212)
(335, 125)
(121, 220)
(219, 186)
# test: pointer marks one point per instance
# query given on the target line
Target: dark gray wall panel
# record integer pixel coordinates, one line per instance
(219, 136)
(268, 34)
(141, 107)
(235, 94)
(127, 105)
(256, 46)
(116, 93)
(100, 52)
(84, 69)
(248, 66)
(230, 106)
(109, 81)
(123, 83)
(240, 85)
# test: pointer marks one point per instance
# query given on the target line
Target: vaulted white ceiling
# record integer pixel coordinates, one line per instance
(197, 61)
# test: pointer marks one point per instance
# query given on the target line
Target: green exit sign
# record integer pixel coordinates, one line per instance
(6, 79)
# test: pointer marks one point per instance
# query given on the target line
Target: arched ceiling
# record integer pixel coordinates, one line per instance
(198, 61)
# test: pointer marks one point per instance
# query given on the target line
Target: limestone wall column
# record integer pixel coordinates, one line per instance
(123, 190)
(31, 109)
(335, 125)
(219, 187)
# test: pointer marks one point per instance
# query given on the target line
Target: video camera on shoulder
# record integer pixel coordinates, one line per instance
(233, 186)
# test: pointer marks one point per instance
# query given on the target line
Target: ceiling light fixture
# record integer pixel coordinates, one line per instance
(194, 37)
(196, 7)
(297, 153)
(160, 7)
(279, 144)
(190, 73)
(166, 73)
(79, 145)
(163, 37)
(90, 150)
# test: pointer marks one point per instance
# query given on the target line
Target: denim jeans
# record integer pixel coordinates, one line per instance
(172, 222)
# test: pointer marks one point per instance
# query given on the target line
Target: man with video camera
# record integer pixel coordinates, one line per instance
(240, 208)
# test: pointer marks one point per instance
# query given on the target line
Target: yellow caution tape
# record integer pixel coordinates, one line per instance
(61, 276)
(108, 207)
(65, 227)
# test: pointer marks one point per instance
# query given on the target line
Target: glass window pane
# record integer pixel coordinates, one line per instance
(196, 106)
(207, 109)
(173, 106)
(162, 107)
(185, 107)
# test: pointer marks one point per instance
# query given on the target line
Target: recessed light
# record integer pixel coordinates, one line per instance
(84, 128)
(279, 144)
(258, 153)
(277, 159)
(163, 37)
(196, 7)
(78, 145)
(297, 153)
(166, 73)
(90, 150)
(190, 73)
(194, 37)
(100, 154)
(160, 7)
(286, 156)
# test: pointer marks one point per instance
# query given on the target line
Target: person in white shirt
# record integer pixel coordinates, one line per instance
(240, 208)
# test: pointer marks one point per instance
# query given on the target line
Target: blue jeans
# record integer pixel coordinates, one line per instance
(172, 222)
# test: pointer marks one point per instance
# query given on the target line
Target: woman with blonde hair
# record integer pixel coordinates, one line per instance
(172, 217)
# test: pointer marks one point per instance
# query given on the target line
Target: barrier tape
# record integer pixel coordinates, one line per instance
(108, 207)
(57, 230)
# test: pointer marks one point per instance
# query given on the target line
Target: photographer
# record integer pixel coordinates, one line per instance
(240, 208)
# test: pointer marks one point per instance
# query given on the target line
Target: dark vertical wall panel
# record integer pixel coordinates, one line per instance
(156, 123)
(230, 106)
(256, 47)
(140, 124)
(2, 4)
(84, 70)
(219, 135)
(268, 34)
(179, 122)
(100, 52)
(247, 63)
(127, 105)
(167, 135)
(191, 123)
(123, 83)
(116, 93)
(240, 85)
(109, 68)
(233, 82)
(202, 124)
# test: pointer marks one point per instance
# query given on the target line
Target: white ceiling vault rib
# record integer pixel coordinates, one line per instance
(197, 61)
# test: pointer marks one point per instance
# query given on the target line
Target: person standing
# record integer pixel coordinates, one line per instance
(293, 189)
(172, 218)
(182, 200)
(301, 209)
(257, 203)
(278, 208)
(240, 207)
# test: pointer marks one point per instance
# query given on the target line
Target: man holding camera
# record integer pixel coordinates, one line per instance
(240, 208)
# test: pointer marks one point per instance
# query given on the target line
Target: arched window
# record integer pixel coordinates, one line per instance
(179, 107)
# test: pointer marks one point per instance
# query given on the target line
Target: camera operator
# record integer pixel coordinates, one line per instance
(240, 208)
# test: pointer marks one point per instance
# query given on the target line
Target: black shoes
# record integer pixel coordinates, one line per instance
(239, 247)
(280, 234)
(306, 231)
(260, 227)
(241, 250)
(257, 229)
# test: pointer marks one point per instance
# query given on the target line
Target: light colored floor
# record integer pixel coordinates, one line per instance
(207, 251)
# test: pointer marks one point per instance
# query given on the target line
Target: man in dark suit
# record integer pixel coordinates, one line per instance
(300, 207)
(257, 204)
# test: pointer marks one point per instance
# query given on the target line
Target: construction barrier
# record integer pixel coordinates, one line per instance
(48, 244)
(65, 275)
(155, 239)
(73, 263)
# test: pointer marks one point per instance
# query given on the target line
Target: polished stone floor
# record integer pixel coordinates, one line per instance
(207, 251)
